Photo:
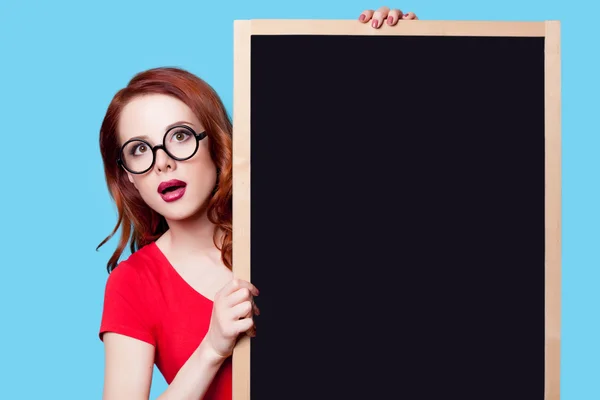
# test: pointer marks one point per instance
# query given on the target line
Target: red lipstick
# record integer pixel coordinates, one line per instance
(171, 190)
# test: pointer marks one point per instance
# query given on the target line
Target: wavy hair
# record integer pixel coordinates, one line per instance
(141, 225)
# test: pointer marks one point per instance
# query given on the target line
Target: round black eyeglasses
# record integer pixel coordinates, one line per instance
(180, 143)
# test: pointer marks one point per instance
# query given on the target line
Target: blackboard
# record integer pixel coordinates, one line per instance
(397, 202)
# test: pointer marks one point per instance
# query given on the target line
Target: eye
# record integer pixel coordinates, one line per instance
(139, 149)
(180, 135)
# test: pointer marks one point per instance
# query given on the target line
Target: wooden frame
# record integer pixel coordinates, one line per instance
(243, 30)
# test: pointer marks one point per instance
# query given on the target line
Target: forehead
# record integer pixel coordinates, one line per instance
(149, 115)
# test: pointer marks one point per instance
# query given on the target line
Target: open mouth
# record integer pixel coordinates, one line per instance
(171, 190)
(169, 186)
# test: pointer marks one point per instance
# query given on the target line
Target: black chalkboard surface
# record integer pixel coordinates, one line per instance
(396, 201)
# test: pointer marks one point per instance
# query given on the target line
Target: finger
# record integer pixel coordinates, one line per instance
(393, 16)
(238, 296)
(366, 16)
(410, 15)
(255, 308)
(243, 325)
(379, 16)
(236, 284)
(241, 310)
(252, 331)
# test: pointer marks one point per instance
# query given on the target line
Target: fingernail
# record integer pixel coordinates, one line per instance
(390, 20)
(375, 23)
(362, 17)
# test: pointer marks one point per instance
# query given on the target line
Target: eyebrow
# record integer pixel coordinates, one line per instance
(178, 123)
(146, 137)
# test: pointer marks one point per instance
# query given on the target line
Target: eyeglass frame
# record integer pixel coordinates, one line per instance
(197, 136)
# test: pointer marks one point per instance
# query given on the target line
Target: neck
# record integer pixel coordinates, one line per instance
(192, 236)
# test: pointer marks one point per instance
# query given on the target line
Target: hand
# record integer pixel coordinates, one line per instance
(391, 17)
(232, 314)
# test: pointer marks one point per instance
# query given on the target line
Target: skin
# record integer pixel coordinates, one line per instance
(384, 15)
(129, 362)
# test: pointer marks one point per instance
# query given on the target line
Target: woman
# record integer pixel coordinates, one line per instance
(167, 151)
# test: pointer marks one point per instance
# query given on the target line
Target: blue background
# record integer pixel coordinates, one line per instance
(60, 65)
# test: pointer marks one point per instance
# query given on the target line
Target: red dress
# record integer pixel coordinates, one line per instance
(146, 298)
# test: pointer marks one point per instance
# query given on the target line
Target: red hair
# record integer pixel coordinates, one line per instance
(141, 225)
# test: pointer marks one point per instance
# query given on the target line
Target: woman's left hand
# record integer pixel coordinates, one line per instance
(384, 15)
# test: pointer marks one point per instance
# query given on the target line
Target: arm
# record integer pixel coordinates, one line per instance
(129, 364)
(194, 378)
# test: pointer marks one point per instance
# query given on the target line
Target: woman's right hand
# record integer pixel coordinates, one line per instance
(232, 315)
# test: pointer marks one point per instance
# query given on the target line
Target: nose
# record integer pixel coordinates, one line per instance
(163, 162)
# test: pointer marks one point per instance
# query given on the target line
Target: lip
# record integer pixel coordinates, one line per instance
(173, 194)
(168, 184)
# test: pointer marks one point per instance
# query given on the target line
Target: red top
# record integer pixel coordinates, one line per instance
(146, 298)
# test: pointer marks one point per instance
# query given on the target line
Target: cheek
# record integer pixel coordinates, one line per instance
(202, 172)
(131, 179)
(144, 186)
(204, 169)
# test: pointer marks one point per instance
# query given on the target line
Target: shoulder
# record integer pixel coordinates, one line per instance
(136, 275)
(141, 263)
(130, 306)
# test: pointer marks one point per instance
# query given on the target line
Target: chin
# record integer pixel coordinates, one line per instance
(180, 210)
(176, 216)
